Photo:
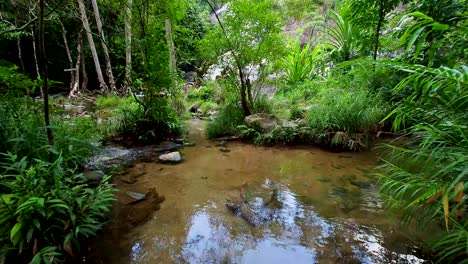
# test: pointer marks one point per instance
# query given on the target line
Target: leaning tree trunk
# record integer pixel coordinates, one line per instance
(75, 87)
(69, 56)
(104, 46)
(43, 64)
(92, 47)
(171, 47)
(128, 46)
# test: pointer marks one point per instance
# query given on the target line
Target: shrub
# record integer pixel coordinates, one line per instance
(229, 117)
(152, 121)
(109, 101)
(426, 179)
(204, 93)
(11, 81)
(296, 113)
(23, 133)
(300, 64)
(355, 110)
(263, 105)
(46, 210)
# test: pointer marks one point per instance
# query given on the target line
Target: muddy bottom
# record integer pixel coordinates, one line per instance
(327, 209)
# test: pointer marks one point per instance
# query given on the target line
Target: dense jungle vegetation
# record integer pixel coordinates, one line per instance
(338, 74)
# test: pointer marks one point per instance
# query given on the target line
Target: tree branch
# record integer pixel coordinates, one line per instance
(32, 20)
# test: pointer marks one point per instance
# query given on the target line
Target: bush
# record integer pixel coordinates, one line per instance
(11, 81)
(427, 179)
(263, 105)
(296, 113)
(230, 116)
(204, 93)
(23, 133)
(301, 63)
(356, 110)
(152, 121)
(46, 210)
(110, 101)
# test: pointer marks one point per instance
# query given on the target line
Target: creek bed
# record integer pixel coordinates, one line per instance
(329, 210)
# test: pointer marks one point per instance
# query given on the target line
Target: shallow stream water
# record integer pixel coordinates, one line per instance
(329, 210)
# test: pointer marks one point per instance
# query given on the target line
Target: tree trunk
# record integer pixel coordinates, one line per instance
(84, 84)
(75, 88)
(109, 73)
(128, 46)
(69, 56)
(171, 47)
(43, 64)
(243, 91)
(36, 62)
(377, 30)
(92, 47)
(20, 54)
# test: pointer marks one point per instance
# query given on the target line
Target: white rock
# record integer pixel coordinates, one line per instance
(173, 157)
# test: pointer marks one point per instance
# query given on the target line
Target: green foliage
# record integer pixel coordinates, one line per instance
(13, 82)
(47, 209)
(300, 63)
(204, 93)
(110, 101)
(354, 110)
(263, 105)
(417, 33)
(150, 121)
(229, 117)
(296, 113)
(191, 30)
(342, 35)
(23, 133)
(427, 178)
(248, 35)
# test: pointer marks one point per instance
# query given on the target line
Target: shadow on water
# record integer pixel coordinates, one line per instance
(325, 210)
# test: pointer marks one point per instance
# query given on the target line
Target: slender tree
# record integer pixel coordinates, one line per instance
(247, 36)
(171, 47)
(75, 86)
(43, 66)
(69, 56)
(128, 45)
(109, 73)
(92, 47)
(84, 84)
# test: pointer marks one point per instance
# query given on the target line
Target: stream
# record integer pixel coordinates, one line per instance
(327, 209)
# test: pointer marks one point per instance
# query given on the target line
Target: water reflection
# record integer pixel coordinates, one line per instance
(297, 234)
(326, 209)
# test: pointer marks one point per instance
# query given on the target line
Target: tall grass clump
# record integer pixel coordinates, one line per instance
(230, 116)
(428, 178)
(22, 133)
(347, 110)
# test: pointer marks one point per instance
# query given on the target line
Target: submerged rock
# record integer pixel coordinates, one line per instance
(225, 150)
(258, 210)
(172, 158)
(94, 177)
(194, 108)
(136, 197)
(264, 122)
(179, 141)
(128, 179)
